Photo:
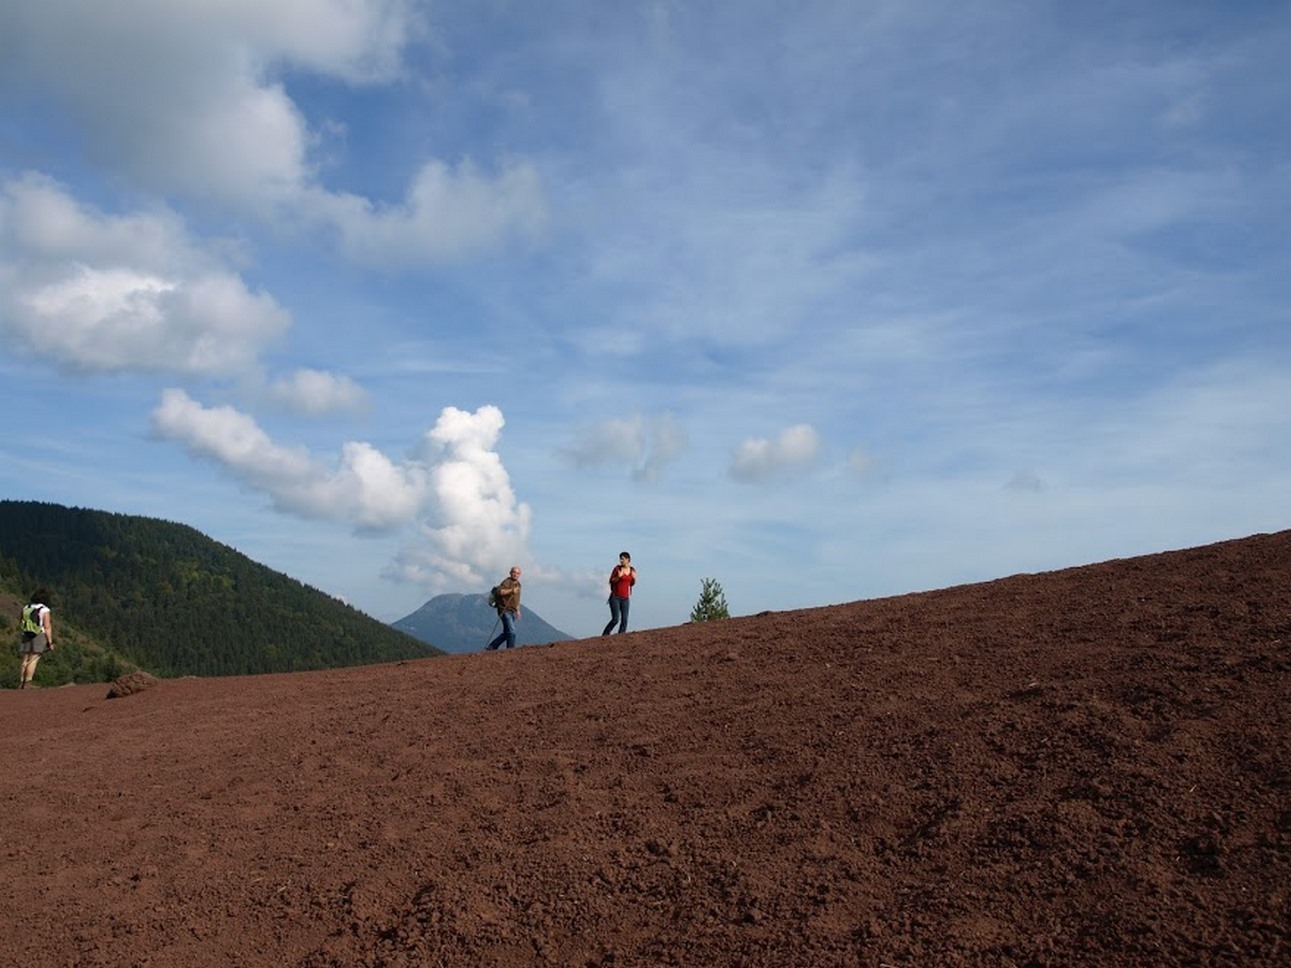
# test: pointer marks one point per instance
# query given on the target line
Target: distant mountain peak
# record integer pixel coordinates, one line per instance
(463, 622)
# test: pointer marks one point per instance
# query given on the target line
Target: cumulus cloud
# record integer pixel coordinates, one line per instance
(365, 489)
(182, 96)
(190, 100)
(94, 291)
(476, 527)
(758, 459)
(454, 492)
(644, 443)
(315, 392)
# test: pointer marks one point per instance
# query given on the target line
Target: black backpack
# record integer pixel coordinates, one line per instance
(495, 597)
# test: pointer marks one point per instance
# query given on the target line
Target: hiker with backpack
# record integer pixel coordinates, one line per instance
(506, 599)
(622, 578)
(37, 635)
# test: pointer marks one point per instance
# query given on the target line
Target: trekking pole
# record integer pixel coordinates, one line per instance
(495, 625)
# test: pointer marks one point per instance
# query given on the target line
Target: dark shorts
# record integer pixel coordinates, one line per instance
(35, 645)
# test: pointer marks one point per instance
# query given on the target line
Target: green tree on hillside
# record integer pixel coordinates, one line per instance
(711, 604)
(164, 598)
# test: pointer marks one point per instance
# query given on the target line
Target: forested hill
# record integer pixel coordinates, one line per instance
(175, 602)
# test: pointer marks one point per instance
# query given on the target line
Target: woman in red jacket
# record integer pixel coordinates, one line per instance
(622, 578)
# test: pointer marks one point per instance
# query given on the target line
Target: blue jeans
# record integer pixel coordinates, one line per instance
(618, 613)
(508, 633)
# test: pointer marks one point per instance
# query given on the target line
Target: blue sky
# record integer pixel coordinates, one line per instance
(824, 300)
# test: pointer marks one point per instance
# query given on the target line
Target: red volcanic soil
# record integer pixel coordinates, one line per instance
(1085, 767)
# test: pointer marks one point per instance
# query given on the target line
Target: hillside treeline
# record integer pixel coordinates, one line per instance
(169, 600)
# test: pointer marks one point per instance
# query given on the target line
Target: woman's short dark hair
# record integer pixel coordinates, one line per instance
(39, 597)
(624, 554)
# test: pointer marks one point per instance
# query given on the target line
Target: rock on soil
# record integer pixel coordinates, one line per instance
(130, 683)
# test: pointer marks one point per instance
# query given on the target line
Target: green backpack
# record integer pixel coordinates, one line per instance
(31, 626)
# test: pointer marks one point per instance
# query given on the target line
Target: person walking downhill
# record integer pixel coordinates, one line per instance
(37, 635)
(622, 578)
(508, 610)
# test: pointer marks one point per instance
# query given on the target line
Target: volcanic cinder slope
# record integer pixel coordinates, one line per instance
(1084, 767)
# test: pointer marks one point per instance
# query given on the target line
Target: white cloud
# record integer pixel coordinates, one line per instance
(180, 95)
(456, 490)
(229, 437)
(448, 213)
(192, 101)
(611, 441)
(316, 392)
(93, 291)
(757, 458)
(366, 489)
(477, 526)
(645, 443)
